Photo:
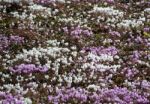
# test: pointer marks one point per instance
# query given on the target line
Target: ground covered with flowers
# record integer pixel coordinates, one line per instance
(74, 51)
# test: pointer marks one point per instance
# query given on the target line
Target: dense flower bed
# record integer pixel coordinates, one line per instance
(74, 51)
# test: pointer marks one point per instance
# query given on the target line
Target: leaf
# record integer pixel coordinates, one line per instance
(98, 36)
(146, 34)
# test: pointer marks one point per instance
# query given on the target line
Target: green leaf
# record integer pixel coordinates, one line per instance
(146, 34)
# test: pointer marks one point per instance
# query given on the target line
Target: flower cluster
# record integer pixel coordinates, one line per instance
(9, 98)
(7, 42)
(74, 51)
(28, 68)
(80, 95)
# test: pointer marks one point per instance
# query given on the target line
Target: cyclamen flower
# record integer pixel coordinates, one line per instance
(49, 1)
(5, 42)
(145, 84)
(65, 29)
(110, 1)
(101, 50)
(115, 33)
(28, 68)
(7, 98)
(16, 39)
(44, 1)
(116, 95)
(123, 95)
(146, 29)
(65, 95)
(78, 31)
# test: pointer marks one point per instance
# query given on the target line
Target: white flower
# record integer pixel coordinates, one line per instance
(61, 1)
(108, 11)
(46, 76)
(37, 7)
(94, 87)
(77, 79)
(74, 53)
(127, 23)
(147, 10)
(102, 57)
(27, 101)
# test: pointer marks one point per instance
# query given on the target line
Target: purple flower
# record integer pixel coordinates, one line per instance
(28, 68)
(87, 32)
(5, 42)
(110, 1)
(146, 29)
(65, 29)
(101, 50)
(16, 39)
(78, 32)
(116, 95)
(115, 33)
(8, 98)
